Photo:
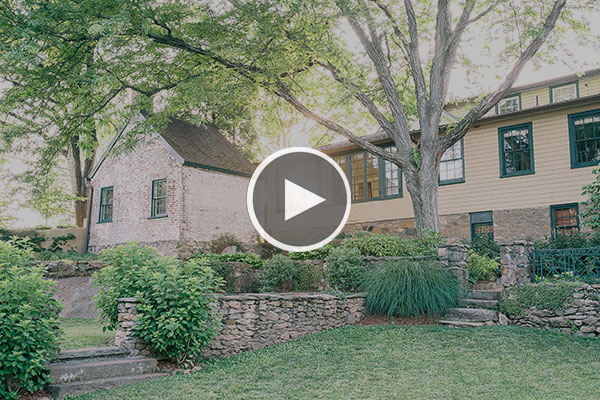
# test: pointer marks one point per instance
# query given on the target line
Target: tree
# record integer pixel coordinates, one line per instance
(397, 67)
(591, 211)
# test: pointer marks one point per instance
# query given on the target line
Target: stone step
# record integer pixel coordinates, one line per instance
(484, 294)
(486, 285)
(91, 353)
(471, 314)
(477, 303)
(61, 372)
(63, 390)
(461, 324)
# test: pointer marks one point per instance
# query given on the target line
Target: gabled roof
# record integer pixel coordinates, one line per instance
(195, 146)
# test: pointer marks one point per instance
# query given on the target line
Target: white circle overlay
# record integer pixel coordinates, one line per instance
(250, 196)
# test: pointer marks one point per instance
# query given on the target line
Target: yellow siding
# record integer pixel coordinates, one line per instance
(528, 98)
(554, 182)
(592, 87)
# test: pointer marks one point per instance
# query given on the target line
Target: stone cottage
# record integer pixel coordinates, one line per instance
(176, 190)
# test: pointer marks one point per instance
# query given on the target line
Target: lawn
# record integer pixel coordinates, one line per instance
(393, 362)
(81, 332)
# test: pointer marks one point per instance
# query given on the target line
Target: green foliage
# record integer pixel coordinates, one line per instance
(127, 266)
(248, 258)
(575, 240)
(484, 245)
(175, 315)
(282, 274)
(345, 269)
(317, 254)
(59, 241)
(28, 321)
(591, 209)
(407, 288)
(35, 239)
(393, 245)
(481, 267)
(69, 255)
(543, 296)
(226, 272)
(219, 244)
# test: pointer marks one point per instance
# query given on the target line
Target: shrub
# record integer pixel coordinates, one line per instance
(222, 242)
(575, 240)
(175, 315)
(393, 245)
(246, 282)
(35, 238)
(408, 288)
(126, 268)
(543, 296)
(345, 269)
(69, 255)
(28, 321)
(248, 258)
(318, 254)
(485, 245)
(481, 267)
(282, 274)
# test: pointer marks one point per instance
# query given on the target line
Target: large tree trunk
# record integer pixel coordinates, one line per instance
(422, 186)
(78, 172)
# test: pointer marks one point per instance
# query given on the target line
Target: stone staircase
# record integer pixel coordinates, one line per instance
(76, 372)
(478, 308)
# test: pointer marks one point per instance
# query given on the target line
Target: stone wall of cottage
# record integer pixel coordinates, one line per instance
(131, 174)
(255, 321)
(580, 314)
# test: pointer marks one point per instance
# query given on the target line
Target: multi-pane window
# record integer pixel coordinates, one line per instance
(371, 177)
(516, 150)
(106, 204)
(568, 91)
(482, 224)
(452, 165)
(159, 198)
(584, 134)
(509, 104)
(564, 219)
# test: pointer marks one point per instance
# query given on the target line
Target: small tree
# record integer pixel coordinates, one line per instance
(591, 212)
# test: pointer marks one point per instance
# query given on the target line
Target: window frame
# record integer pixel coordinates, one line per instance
(381, 176)
(517, 95)
(476, 219)
(550, 88)
(501, 131)
(555, 207)
(462, 158)
(573, 143)
(153, 214)
(101, 205)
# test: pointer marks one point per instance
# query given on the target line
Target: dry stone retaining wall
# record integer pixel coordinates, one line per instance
(515, 263)
(580, 314)
(255, 321)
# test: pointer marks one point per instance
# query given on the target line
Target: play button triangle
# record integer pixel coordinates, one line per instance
(298, 199)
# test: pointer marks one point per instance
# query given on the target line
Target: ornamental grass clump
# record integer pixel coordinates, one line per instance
(29, 328)
(408, 288)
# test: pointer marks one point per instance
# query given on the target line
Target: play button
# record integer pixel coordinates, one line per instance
(298, 199)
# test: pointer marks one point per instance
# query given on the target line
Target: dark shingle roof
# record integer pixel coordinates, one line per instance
(205, 147)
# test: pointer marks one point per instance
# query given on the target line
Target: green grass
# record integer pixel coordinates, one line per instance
(393, 362)
(80, 333)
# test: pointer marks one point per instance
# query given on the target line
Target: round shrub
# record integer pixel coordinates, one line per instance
(407, 288)
(177, 312)
(175, 315)
(393, 245)
(345, 269)
(282, 274)
(28, 321)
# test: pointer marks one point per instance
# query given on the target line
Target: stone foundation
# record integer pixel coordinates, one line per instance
(255, 321)
(579, 315)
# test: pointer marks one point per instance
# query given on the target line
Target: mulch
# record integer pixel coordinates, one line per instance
(385, 320)
(40, 394)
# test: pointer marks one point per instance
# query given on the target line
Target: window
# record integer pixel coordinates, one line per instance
(516, 150)
(159, 198)
(564, 92)
(584, 137)
(452, 167)
(482, 224)
(106, 204)
(564, 219)
(371, 177)
(509, 104)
